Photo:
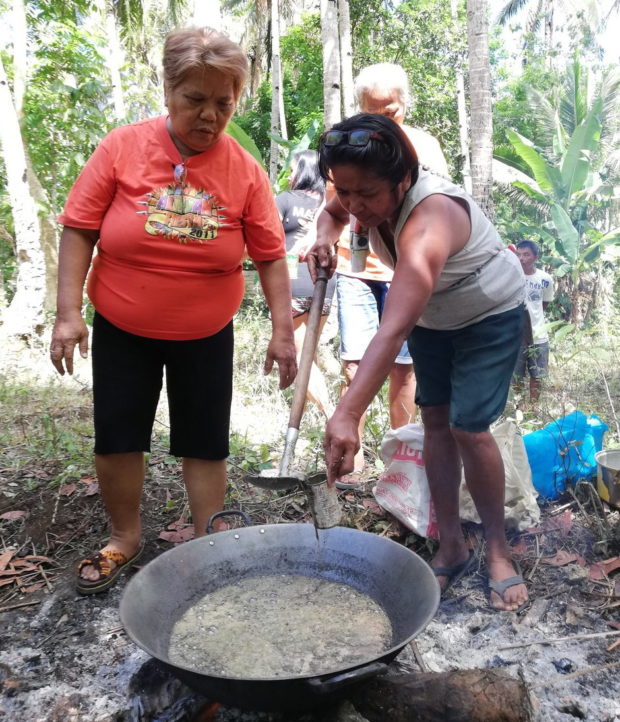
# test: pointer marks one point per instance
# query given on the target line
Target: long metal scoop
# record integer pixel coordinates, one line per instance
(284, 477)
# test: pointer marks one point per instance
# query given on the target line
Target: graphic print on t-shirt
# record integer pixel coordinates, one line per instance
(183, 213)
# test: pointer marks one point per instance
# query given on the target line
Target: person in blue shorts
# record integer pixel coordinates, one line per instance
(457, 297)
(533, 361)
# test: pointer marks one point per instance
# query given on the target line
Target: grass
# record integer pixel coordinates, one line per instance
(46, 436)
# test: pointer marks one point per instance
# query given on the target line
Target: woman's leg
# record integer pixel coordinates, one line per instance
(199, 385)
(402, 395)
(443, 470)
(121, 477)
(348, 371)
(484, 473)
(317, 387)
(205, 482)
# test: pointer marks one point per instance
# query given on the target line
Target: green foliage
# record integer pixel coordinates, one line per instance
(244, 140)
(570, 191)
(256, 120)
(302, 60)
(300, 50)
(66, 106)
(421, 36)
(292, 148)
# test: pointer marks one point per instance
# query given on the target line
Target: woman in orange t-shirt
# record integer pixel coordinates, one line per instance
(171, 203)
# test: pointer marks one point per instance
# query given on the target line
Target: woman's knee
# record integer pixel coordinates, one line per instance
(471, 439)
(436, 419)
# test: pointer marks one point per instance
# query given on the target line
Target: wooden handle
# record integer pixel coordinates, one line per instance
(309, 349)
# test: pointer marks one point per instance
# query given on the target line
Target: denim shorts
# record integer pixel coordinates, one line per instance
(533, 361)
(470, 368)
(127, 380)
(360, 307)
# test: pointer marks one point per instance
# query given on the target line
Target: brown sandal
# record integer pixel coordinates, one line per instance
(107, 574)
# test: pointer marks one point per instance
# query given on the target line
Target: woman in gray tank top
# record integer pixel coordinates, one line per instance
(457, 297)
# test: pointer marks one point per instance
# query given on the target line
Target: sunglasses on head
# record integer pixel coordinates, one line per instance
(350, 137)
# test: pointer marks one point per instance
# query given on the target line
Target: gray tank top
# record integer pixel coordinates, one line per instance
(483, 279)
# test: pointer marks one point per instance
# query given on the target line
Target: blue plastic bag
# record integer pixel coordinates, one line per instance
(562, 452)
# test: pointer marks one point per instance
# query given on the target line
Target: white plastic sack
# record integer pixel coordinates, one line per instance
(520, 506)
(403, 490)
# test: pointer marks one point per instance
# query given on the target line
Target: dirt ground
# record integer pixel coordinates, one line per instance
(64, 657)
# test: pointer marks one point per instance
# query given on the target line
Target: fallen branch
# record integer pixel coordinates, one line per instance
(572, 675)
(572, 638)
(21, 604)
(418, 655)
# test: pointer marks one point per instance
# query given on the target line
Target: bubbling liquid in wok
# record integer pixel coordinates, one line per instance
(280, 625)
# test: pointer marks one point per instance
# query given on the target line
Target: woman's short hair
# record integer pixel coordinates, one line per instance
(305, 174)
(391, 156)
(189, 49)
(385, 77)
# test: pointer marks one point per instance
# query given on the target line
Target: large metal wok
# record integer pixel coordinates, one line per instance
(395, 577)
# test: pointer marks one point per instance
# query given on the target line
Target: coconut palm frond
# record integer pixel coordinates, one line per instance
(545, 115)
(522, 202)
(610, 93)
(535, 18)
(510, 9)
(573, 106)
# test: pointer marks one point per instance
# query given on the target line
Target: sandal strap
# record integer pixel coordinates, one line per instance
(101, 561)
(501, 587)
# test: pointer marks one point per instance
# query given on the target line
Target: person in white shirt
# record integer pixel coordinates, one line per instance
(533, 358)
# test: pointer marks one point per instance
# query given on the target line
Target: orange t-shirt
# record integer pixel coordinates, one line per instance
(169, 255)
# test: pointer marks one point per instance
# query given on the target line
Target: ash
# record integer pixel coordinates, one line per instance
(66, 658)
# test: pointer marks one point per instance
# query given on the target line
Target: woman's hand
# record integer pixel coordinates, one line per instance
(329, 225)
(341, 444)
(67, 334)
(281, 349)
(321, 254)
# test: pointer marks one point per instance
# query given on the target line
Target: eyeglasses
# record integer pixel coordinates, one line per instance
(350, 137)
(180, 174)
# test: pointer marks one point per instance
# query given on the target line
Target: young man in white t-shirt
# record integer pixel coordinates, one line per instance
(534, 356)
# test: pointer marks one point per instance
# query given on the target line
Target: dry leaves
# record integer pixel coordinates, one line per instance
(561, 558)
(13, 514)
(26, 572)
(179, 531)
(602, 570)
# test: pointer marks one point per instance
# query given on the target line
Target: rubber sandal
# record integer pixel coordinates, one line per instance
(107, 574)
(500, 589)
(455, 573)
(350, 481)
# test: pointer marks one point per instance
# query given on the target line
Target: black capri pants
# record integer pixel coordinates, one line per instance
(127, 382)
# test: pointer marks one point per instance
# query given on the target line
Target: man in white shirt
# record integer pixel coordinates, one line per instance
(534, 356)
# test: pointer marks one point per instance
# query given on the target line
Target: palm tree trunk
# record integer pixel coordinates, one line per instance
(462, 111)
(480, 104)
(331, 62)
(24, 316)
(20, 57)
(114, 60)
(278, 126)
(346, 58)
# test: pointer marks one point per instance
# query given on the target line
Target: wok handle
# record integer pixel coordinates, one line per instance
(228, 512)
(331, 684)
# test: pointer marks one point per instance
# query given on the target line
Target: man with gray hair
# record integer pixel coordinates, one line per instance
(383, 89)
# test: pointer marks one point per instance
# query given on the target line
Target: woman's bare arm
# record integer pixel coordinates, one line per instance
(74, 259)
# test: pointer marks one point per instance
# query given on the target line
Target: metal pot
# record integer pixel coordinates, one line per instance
(608, 476)
(392, 575)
